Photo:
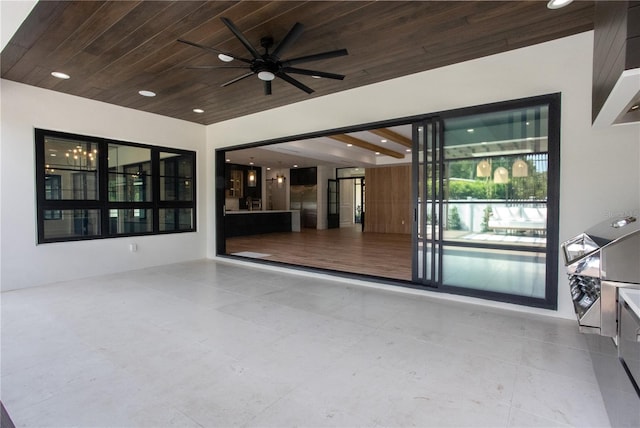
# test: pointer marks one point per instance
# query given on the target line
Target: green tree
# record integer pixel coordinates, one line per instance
(454, 222)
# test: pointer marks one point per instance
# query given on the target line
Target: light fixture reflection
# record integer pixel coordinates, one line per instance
(483, 169)
(501, 175)
(520, 168)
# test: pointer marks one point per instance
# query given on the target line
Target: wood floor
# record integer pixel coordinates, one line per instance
(344, 249)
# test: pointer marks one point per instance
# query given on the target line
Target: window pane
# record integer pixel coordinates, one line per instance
(75, 168)
(501, 133)
(129, 174)
(132, 220)
(72, 223)
(176, 177)
(176, 219)
(511, 272)
(495, 181)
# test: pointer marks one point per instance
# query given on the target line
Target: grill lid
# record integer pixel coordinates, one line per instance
(613, 229)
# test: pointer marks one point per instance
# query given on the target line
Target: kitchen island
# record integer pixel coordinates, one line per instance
(248, 222)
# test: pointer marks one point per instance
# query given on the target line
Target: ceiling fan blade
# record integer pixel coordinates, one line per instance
(295, 82)
(313, 73)
(237, 79)
(289, 39)
(212, 50)
(242, 38)
(218, 67)
(315, 57)
(267, 87)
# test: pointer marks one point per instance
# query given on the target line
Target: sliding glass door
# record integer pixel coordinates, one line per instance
(427, 230)
(486, 202)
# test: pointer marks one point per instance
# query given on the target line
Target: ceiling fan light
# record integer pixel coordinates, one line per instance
(225, 58)
(266, 75)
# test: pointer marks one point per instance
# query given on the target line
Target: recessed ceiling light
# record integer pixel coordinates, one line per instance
(557, 4)
(225, 58)
(147, 93)
(407, 150)
(228, 160)
(198, 110)
(268, 169)
(470, 130)
(383, 141)
(60, 75)
(316, 77)
(250, 163)
(377, 153)
(295, 166)
(349, 145)
(634, 107)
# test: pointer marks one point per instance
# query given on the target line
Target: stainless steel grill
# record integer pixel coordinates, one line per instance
(599, 262)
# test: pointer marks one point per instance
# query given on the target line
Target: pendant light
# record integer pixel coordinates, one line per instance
(483, 169)
(520, 169)
(251, 176)
(501, 175)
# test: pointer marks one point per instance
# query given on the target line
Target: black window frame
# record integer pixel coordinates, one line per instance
(102, 202)
(550, 301)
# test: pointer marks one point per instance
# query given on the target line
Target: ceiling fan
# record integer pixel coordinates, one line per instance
(269, 65)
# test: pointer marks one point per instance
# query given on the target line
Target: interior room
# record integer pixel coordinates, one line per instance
(319, 213)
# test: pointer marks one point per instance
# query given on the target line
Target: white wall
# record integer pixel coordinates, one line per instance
(599, 168)
(603, 162)
(26, 264)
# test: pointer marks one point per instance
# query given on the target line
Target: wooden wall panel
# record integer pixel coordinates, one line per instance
(633, 36)
(388, 207)
(616, 46)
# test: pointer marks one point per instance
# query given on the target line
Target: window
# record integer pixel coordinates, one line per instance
(52, 191)
(471, 208)
(91, 188)
(489, 198)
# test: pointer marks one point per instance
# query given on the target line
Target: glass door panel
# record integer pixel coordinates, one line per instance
(427, 207)
(494, 200)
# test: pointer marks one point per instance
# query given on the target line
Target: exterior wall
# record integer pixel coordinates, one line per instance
(599, 170)
(599, 167)
(26, 264)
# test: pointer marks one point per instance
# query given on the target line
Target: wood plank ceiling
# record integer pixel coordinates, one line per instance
(113, 49)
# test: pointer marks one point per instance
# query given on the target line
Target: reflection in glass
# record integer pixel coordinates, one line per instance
(73, 223)
(130, 220)
(519, 273)
(75, 165)
(129, 174)
(176, 219)
(176, 177)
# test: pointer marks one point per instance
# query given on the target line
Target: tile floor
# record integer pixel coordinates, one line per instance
(206, 344)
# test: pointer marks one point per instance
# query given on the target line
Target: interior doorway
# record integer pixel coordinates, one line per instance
(352, 201)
